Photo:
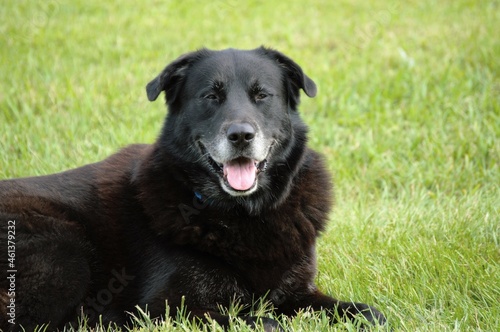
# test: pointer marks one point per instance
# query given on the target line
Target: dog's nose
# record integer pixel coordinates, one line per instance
(240, 133)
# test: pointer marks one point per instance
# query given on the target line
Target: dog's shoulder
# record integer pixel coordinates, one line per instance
(115, 175)
(127, 160)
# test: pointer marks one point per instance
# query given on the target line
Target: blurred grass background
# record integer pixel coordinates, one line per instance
(408, 116)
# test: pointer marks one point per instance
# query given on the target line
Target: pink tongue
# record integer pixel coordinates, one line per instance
(240, 173)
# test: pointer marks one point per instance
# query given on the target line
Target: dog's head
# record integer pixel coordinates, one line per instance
(232, 117)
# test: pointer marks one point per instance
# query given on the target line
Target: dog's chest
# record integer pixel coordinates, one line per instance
(267, 238)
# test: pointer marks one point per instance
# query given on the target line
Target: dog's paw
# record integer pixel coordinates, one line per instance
(372, 315)
(352, 310)
(269, 325)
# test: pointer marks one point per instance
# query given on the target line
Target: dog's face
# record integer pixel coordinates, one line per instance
(232, 113)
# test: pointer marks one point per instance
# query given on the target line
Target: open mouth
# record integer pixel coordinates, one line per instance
(239, 174)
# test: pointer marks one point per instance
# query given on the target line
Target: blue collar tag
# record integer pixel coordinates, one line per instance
(198, 195)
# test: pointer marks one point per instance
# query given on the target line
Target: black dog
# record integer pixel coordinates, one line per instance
(226, 205)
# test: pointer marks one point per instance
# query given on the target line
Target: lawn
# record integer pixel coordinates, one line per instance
(407, 115)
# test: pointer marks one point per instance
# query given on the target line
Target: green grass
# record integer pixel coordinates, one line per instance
(408, 116)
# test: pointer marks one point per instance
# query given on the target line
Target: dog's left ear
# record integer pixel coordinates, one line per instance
(171, 78)
(296, 78)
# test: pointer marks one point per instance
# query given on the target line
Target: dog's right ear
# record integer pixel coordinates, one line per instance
(171, 78)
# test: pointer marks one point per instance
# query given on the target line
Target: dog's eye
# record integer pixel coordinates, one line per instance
(261, 96)
(211, 96)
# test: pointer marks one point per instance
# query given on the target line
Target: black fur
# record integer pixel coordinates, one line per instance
(154, 223)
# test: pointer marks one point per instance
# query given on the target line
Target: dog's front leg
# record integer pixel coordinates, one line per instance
(269, 325)
(336, 309)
